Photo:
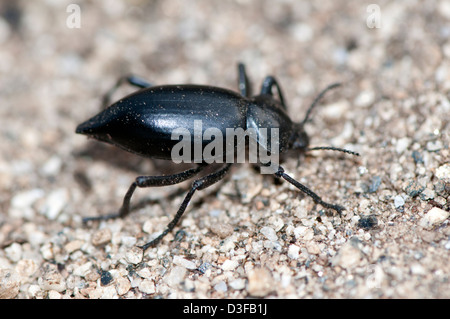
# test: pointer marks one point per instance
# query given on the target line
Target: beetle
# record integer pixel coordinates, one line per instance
(143, 123)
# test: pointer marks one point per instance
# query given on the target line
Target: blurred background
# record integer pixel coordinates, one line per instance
(58, 58)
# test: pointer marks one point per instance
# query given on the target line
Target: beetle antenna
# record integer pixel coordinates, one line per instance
(317, 99)
(331, 148)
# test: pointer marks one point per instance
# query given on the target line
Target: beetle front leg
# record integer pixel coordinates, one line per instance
(199, 184)
(316, 198)
(130, 79)
(148, 181)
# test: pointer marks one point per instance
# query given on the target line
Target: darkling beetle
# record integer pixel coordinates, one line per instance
(142, 123)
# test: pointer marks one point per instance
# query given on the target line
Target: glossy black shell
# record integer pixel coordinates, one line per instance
(143, 122)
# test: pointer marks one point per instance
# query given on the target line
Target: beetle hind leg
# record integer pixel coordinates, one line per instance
(130, 79)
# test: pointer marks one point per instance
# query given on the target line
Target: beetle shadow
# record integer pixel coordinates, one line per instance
(121, 159)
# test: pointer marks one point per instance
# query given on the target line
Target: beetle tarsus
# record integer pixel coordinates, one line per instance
(316, 198)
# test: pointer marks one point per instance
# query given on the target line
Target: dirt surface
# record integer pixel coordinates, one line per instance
(247, 236)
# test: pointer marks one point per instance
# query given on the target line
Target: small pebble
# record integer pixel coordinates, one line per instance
(427, 194)
(134, 255)
(147, 287)
(27, 198)
(434, 146)
(221, 286)
(55, 203)
(204, 267)
(434, 217)
(367, 222)
(365, 99)
(293, 251)
(418, 158)
(414, 189)
(9, 284)
(237, 284)
(123, 285)
(222, 230)
(26, 268)
(51, 279)
(101, 237)
(402, 145)
(269, 233)
(443, 172)
(348, 256)
(53, 294)
(176, 276)
(72, 246)
(260, 282)
(105, 278)
(375, 184)
(14, 252)
(230, 264)
(399, 201)
(180, 261)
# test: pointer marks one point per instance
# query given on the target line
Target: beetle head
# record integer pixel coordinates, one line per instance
(299, 139)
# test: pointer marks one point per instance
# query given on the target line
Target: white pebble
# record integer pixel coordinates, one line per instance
(175, 276)
(83, 270)
(230, 264)
(364, 99)
(26, 198)
(52, 167)
(293, 251)
(269, 233)
(221, 286)
(402, 145)
(55, 203)
(14, 252)
(434, 217)
(347, 257)
(237, 284)
(134, 255)
(180, 261)
(443, 172)
(147, 286)
(399, 201)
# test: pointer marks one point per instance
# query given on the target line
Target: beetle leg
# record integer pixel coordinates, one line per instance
(148, 181)
(244, 87)
(130, 79)
(266, 88)
(316, 198)
(198, 184)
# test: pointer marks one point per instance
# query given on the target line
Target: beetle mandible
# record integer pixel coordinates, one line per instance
(143, 123)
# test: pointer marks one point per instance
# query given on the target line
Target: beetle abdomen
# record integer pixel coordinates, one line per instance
(145, 122)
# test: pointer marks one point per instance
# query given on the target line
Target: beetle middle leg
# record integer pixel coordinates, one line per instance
(198, 184)
(316, 198)
(267, 86)
(130, 79)
(148, 181)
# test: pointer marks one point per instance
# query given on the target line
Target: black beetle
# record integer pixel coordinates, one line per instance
(143, 123)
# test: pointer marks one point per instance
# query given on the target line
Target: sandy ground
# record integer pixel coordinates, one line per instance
(247, 236)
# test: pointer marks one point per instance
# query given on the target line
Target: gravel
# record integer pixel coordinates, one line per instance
(249, 236)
